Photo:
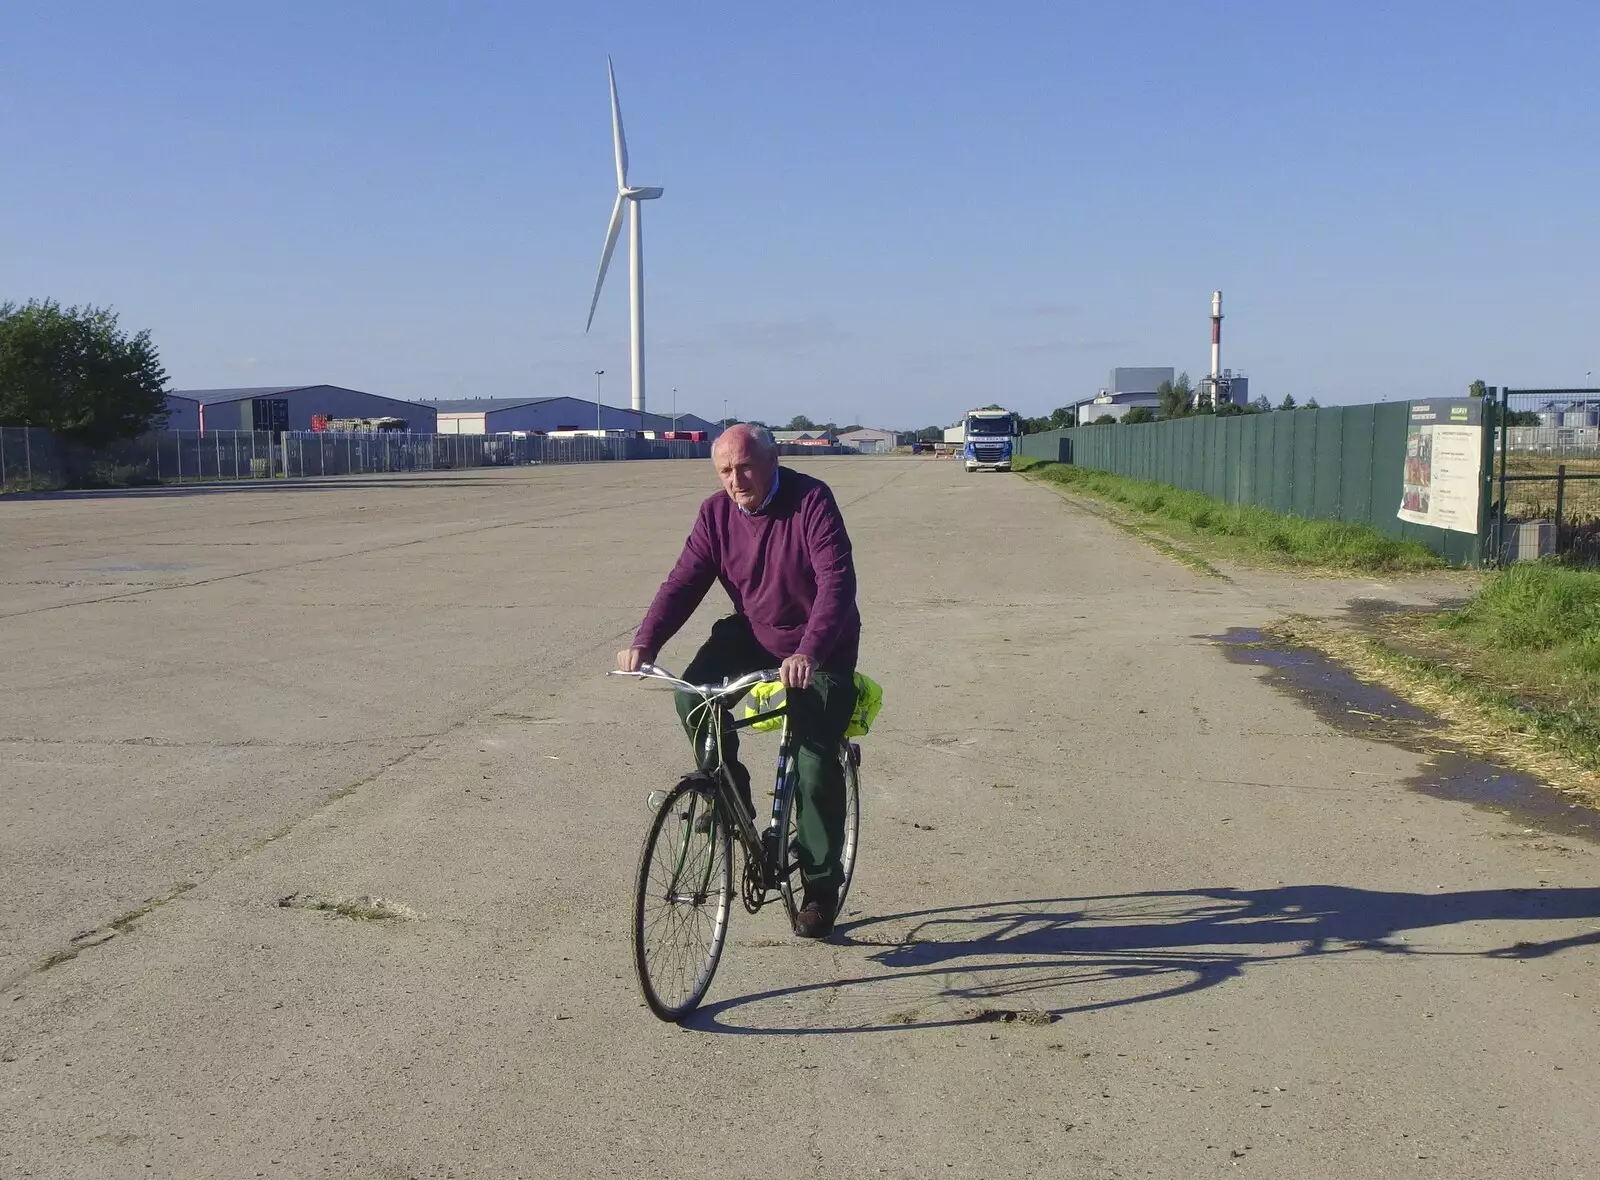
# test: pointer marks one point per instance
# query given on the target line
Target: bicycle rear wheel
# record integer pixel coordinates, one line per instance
(850, 755)
(790, 879)
(682, 899)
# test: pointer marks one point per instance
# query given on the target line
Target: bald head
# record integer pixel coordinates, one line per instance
(758, 437)
(746, 459)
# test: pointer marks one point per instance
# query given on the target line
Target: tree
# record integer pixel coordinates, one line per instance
(1261, 405)
(800, 422)
(931, 434)
(1176, 398)
(1230, 410)
(1287, 403)
(74, 372)
(1138, 415)
(1477, 388)
(1311, 404)
(1104, 420)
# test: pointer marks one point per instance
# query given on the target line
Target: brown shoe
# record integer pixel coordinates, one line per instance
(815, 919)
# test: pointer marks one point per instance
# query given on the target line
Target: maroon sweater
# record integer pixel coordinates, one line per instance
(788, 569)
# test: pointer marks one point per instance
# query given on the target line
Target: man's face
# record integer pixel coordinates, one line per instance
(745, 472)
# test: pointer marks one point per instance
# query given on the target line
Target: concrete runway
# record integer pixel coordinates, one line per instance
(1237, 941)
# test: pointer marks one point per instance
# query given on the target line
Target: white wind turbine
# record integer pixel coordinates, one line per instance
(631, 197)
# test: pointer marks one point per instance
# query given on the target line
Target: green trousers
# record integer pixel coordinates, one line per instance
(818, 717)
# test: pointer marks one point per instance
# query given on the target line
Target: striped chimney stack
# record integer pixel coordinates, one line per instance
(1216, 341)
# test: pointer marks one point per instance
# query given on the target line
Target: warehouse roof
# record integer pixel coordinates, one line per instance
(477, 405)
(208, 397)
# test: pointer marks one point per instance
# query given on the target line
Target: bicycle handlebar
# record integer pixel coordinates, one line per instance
(739, 686)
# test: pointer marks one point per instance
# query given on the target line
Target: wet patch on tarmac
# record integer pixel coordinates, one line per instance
(1369, 711)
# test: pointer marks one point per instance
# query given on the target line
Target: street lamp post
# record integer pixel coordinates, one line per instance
(598, 373)
(674, 409)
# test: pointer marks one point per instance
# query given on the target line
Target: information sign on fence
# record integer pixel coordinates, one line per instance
(1444, 465)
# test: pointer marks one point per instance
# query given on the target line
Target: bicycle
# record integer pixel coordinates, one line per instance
(695, 825)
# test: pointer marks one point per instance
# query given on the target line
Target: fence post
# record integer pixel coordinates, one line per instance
(1505, 438)
(1561, 497)
(1488, 527)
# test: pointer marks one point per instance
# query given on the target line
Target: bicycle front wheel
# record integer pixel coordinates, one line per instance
(682, 899)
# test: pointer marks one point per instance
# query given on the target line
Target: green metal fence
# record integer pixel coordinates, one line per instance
(1341, 463)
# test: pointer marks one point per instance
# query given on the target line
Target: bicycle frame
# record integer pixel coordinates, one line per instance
(712, 697)
(728, 792)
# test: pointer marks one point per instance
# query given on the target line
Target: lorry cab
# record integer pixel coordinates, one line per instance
(989, 440)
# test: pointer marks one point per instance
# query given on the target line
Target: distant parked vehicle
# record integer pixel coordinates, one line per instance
(684, 435)
(321, 422)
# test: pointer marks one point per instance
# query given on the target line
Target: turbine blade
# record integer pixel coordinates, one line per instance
(619, 141)
(605, 258)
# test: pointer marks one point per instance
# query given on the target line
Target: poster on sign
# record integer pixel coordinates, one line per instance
(1444, 465)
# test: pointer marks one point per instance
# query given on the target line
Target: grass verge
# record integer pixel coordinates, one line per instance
(1515, 672)
(1485, 716)
(1242, 530)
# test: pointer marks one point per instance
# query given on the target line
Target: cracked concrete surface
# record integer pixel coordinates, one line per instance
(1231, 937)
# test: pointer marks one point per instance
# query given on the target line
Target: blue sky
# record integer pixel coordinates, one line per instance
(877, 211)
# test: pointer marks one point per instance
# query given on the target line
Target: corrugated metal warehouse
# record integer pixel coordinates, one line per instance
(870, 440)
(183, 413)
(502, 415)
(292, 407)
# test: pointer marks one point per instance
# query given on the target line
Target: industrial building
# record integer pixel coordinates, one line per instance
(289, 407)
(1577, 413)
(802, 438)
(507, 415)
(1229, 388)
(183, 413)
(870, 441)
(1127, 389)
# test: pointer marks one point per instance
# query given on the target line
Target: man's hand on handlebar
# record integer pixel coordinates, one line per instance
(629, 659)
(795, 672)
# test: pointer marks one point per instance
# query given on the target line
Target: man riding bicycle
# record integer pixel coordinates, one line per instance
(775, 539)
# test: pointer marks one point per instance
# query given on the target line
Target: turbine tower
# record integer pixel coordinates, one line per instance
(631, 198)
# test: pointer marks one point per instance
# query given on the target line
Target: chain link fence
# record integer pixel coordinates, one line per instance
(314, 453)
(39, 461)
(27, 459)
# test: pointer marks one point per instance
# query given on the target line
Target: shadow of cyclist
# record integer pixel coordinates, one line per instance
(1314, 918)
(1065, 955)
